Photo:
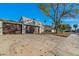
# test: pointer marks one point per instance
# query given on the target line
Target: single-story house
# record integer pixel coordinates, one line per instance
(10, 27)
(26, 25)
(48, 28)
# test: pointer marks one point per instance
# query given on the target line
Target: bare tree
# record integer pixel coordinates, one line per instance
(58, 11)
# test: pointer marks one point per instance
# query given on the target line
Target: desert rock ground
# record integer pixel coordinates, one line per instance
(29, 44)
(69, 47)
(38, 45)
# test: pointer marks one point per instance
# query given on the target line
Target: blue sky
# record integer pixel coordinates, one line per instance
(15, 11)
(71, 21)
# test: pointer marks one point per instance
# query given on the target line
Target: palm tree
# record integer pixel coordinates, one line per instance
(75, 26)
(58, 11)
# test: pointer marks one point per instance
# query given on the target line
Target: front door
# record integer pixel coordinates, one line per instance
(30, 29)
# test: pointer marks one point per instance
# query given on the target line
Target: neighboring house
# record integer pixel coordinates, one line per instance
(48, 29)
(77, 31)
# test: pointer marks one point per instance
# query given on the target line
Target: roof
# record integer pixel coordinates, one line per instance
(29, 21)
(10, 21)
(24, 20)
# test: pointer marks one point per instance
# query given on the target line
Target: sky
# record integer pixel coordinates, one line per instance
(14, 11)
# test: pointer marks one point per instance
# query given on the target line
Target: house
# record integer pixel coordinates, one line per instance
(27, 24)
(24, 26)
(48, 28)
(1, 28)
(10, 27)
(77, 30)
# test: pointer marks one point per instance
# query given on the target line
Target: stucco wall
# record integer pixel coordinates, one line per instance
(23, 29)
(1, 29)
(29, 21)
(41, 29)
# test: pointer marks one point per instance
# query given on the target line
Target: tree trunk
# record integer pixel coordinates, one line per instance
(56, 31)
(56, 28)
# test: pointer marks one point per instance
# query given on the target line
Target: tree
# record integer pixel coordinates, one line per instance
(68, 27)
(75, 26)
(62, 27)
(58, 11)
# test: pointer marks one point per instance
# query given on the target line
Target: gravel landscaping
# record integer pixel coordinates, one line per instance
(38, 45)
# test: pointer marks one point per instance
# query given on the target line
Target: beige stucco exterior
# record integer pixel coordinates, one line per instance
(1, 29)
(29, 21)
(25, 22)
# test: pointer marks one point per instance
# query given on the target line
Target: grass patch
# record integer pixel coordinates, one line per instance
(62, 34)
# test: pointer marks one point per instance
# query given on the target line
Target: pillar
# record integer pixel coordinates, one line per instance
(23, 29)
(1, 27)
